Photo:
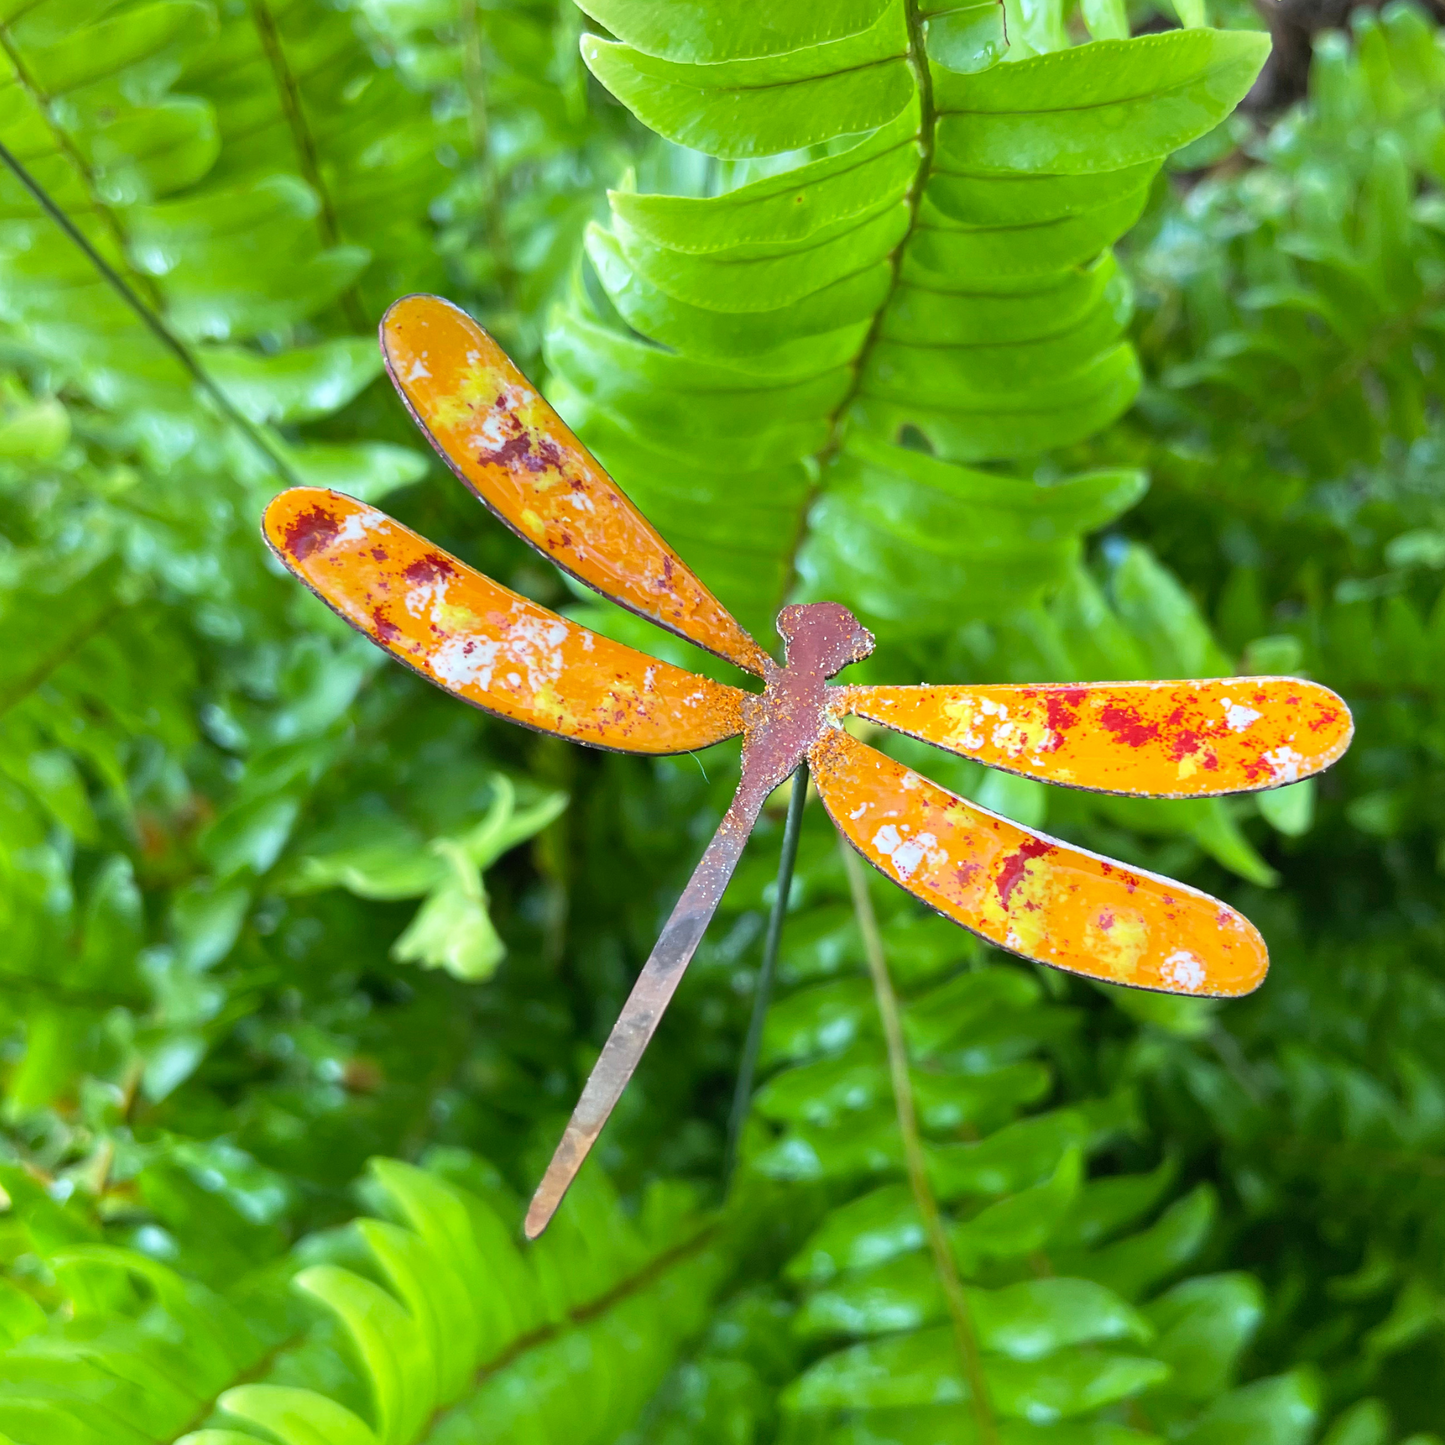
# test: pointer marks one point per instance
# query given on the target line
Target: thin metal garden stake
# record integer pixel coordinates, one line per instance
(149, 319)
(964, 1335)
(1034, 895)
(763, 993)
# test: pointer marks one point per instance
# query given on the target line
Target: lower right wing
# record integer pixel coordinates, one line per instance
(1031, 894)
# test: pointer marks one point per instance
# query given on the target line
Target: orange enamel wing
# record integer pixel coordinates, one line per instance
(1165, 739)
(1031, 894)
(507, 444)
(488, 645)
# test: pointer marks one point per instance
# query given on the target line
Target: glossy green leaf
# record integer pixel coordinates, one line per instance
(295, 1417)
(1101, 107)
(739, 108)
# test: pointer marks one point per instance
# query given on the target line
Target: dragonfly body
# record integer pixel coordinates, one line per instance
(781, 726)
(1040, 897)
(795, 710)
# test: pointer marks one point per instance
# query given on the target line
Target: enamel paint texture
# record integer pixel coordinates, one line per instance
(1023, 891)
(1031, 894)
(487, 644)
(500, 437)
(1166, 739)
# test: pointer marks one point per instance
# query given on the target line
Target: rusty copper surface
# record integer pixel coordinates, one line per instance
(820, 639)
(1021, 890)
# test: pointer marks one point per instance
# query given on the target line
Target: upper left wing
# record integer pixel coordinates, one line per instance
(1160, 739)
(498, 434)
(489, 646)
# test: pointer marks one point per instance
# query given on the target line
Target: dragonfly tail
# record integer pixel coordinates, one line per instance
(646, 1004)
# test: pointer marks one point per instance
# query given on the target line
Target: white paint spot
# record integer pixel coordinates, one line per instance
(466, 661)
(1237, 715)
(1005, 741)
(356, 527)
(489, 435)
(1284, 763)
(648, 678)
(858, 811)
(425, 595)
(886, 840)
(418, 370)
(536, 643)
(515, 678)
(990, 708)
(907, 856)
(582, 502)
(1183, 969)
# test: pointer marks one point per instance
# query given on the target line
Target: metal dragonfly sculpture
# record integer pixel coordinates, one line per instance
(1018, 889)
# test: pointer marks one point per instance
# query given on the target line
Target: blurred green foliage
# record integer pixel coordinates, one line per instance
(303, 963)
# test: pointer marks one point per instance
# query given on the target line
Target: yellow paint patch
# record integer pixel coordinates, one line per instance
(1023, 735)
(1117, 937)
(1030, 907)
(960, 717)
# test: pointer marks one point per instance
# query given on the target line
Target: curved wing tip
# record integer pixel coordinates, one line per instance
(294, 521)
(421, 298)
(410, 298)
(285, 503)
(1252, 985)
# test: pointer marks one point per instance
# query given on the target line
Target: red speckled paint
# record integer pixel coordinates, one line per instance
(1161, 739)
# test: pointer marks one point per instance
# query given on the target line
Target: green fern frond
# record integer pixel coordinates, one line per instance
(1068, 1277)
(942, 283)
(456, 1333)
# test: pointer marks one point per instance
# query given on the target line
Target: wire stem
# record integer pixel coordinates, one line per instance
(153, 322)
(763, 993)
(964, 1335)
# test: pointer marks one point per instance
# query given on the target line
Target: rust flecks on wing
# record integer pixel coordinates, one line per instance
(1166, 739)
(1031, 894)
(508, 445)
(487, 644)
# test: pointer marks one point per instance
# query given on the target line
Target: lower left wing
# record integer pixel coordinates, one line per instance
(488, 645)
(1031, 894)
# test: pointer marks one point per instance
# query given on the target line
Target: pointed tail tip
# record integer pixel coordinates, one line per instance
(539, 1216)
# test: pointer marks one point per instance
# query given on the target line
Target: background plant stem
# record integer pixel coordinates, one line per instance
(762, 994)
(965, 1337)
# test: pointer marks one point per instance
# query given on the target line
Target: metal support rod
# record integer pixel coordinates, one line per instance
(763, 992)
(150, 319)
(649, 999)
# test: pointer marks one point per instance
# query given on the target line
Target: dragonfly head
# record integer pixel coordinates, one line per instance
(823, 637)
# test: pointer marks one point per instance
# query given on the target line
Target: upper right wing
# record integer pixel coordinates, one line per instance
(1161, 739)
(502, 439)
(489, 646)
